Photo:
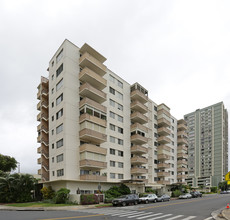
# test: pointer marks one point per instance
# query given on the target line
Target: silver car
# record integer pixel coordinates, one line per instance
(185, 196)
(148, 198)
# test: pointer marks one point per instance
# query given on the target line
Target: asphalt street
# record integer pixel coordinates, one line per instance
(197, 209)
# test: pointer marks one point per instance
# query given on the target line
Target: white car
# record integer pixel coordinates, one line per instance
(185, 196)
(148, 198)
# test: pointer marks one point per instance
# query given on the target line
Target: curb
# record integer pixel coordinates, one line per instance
(215, 214)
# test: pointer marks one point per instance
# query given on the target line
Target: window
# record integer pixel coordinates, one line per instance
(112, 79)
(172, 128)
(52, 104)
(111, 90)
(120, 130)
(120, 107)
(120, 95)
(120, 153)
(120, 164)
(155, 108)
(59, 158)
(59, 99)
(155, 117)
(53, 132)
(120, 141)
(59, 129)
(112, 139)
(52, 91)
(53, 173)
(52, 146)
(53, 77)
(59, 84)
(59, 56)
(60, 172)
(155, 135)
(59, 70)
(155, 152)
(52, 118)
(112, 114)
(120, 84)
(112, 175)
(172, 165)
(59, 143)
(173, 143)
(120, 176)
(59, 114)
(112, 127)
(52, 159)
(119, 118)
(172, 172)
(173, 135)
(112, 103)
(53, 63)
(112, 151)
(172, 157)
(155, 143)
(112, 163)
(172, 150)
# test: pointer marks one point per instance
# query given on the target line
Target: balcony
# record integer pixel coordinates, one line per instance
(137, 149)
(138, 126)
(39, 172)
(182, 156)
(163, 174)
(86, 60)
(94, 119)
(139, 139)
(163, 131)
(182, 141)
(92, 164)
(87, 75)
(139, 96)
(163, 122)
(139, 160)
(182, 176)
(39, 160)
(181, 133)
(42, 127)
(138, 179)
(163, 165)
(42, 92)
(43, 104)
(182, 162)
(163, 157)
(139, 118)
(39, 150)
(93, 148)
(90, 102)
(91, 177)
(137, 170)
(182, 148)
(89, 91)
(163, 182)
(139, 107)
(181, 127)
(164, 112)
(89, 135)
(182, 169)
(164, 147)
(163, 140)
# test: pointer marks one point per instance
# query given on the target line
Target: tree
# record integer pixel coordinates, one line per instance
(7, 163)
(223, 185)
(62, 196)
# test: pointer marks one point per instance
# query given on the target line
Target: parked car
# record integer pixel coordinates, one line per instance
(196, 194)
(223, 192)
(148, 198)
(163, 198)
(126, 200)
(185, 196)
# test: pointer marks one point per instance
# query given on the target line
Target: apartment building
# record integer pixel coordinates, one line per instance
(97, 130)
(207, 145)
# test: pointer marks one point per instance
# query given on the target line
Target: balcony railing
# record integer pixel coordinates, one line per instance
(163, 174)
(94, 119)
(93, 148)
(164, 147)
(92, 103)
(182, 169)
(139, 107)
(163, 131)
(138, 126)
(137, 149)
(138, 95)
(91, 177)
(163, 140)
(182, 176)
(93, 164)
(163, 122)
(163, 111)
(89, 135)
(138, 117)
(139, 160)
(163, 182)
(137, 170)
(163, 165)
(86, 60)
(92, 93)
(163, 157)
(139, 139)
(182, 155)
(87, 75)
(181, 127)
(182, 141)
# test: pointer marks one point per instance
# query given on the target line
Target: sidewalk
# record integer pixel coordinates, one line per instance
(64, 208)
(221, 214)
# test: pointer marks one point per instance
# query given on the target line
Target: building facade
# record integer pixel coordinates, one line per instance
(97, 130)
(207, 145)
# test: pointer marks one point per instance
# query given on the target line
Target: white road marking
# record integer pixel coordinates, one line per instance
(130, 214)
(138, 215)
(208, 218)
(160, 217)
(150, 215)
(175, 217)
(190, 217)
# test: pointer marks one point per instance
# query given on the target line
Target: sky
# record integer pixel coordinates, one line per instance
(178, 50)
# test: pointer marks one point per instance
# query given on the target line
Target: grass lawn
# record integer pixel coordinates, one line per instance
(38, 204)
(103, 205)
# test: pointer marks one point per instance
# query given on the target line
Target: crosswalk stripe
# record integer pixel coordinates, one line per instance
(130, 214)
(175, 217)
(208, 218)
(133, 216)
(150, 215)
(160, 217)
(190, 217)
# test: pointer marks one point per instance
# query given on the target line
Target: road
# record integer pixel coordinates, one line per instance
(197, 209)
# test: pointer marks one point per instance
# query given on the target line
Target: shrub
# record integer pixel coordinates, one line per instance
(47, 193)
(116, 191)
(176, 193)
(214, 189)
(89, 199)
(149, 190)
(61, 196)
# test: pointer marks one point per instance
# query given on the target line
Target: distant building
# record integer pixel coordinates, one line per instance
(207, 145)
